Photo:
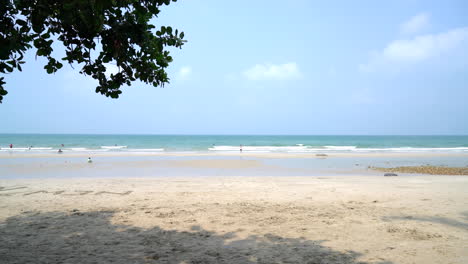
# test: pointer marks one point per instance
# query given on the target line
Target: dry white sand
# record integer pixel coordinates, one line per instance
(349, 219)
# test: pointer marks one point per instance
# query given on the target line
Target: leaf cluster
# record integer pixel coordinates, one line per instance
(95, 34)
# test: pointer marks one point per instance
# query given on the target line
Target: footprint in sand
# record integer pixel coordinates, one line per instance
(116, 193)
(59, 192)
(3, 189)
(11, 188)
(36, 192)
(77, 193)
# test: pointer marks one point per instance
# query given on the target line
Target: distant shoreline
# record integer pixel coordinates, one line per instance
(322, 155)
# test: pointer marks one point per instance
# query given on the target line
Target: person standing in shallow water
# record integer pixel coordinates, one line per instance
(240, 148)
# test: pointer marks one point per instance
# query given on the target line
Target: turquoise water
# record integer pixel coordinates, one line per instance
(229, 143)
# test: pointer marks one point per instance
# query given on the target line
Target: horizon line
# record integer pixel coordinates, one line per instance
(182, 134)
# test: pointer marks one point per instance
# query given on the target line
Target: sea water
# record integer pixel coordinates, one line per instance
(230, 143)
(13, 164)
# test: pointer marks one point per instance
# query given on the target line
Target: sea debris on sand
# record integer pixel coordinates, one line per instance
(391, 174)
(433, 170)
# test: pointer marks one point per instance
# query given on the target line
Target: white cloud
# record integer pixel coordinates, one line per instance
(287, 71)
(184, 73)
(417, 49)
(415, 24)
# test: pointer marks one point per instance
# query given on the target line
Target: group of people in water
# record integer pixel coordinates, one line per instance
(30, 147)
(11, 146)
(89, 158)
(59, 151)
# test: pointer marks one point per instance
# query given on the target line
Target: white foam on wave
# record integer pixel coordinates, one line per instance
(27, 148)
(340, 147)
(298, 148)
(326, 149)
(113, 147)
(78, 149)
(44, 148)
(24, 149)
(118, 148)
(13, 149)
(258, 148)
(145, 150)
(413, 149)
(330, 149)
(81, 149)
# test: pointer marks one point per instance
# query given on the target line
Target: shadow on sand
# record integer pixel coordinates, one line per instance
(90, 237)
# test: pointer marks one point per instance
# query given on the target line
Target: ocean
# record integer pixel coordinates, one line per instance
(230, 143)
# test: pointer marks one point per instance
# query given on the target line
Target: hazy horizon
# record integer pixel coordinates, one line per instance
(181, 134)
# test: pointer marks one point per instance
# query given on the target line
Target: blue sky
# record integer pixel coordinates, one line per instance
(274, 67)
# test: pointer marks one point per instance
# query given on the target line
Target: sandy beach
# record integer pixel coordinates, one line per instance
(347, 219)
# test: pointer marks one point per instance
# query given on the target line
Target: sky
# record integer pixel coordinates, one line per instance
(274, 67)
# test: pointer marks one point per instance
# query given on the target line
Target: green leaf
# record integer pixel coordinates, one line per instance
(8, 68)
(116, 30)
(40, 52)
(21, 22)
